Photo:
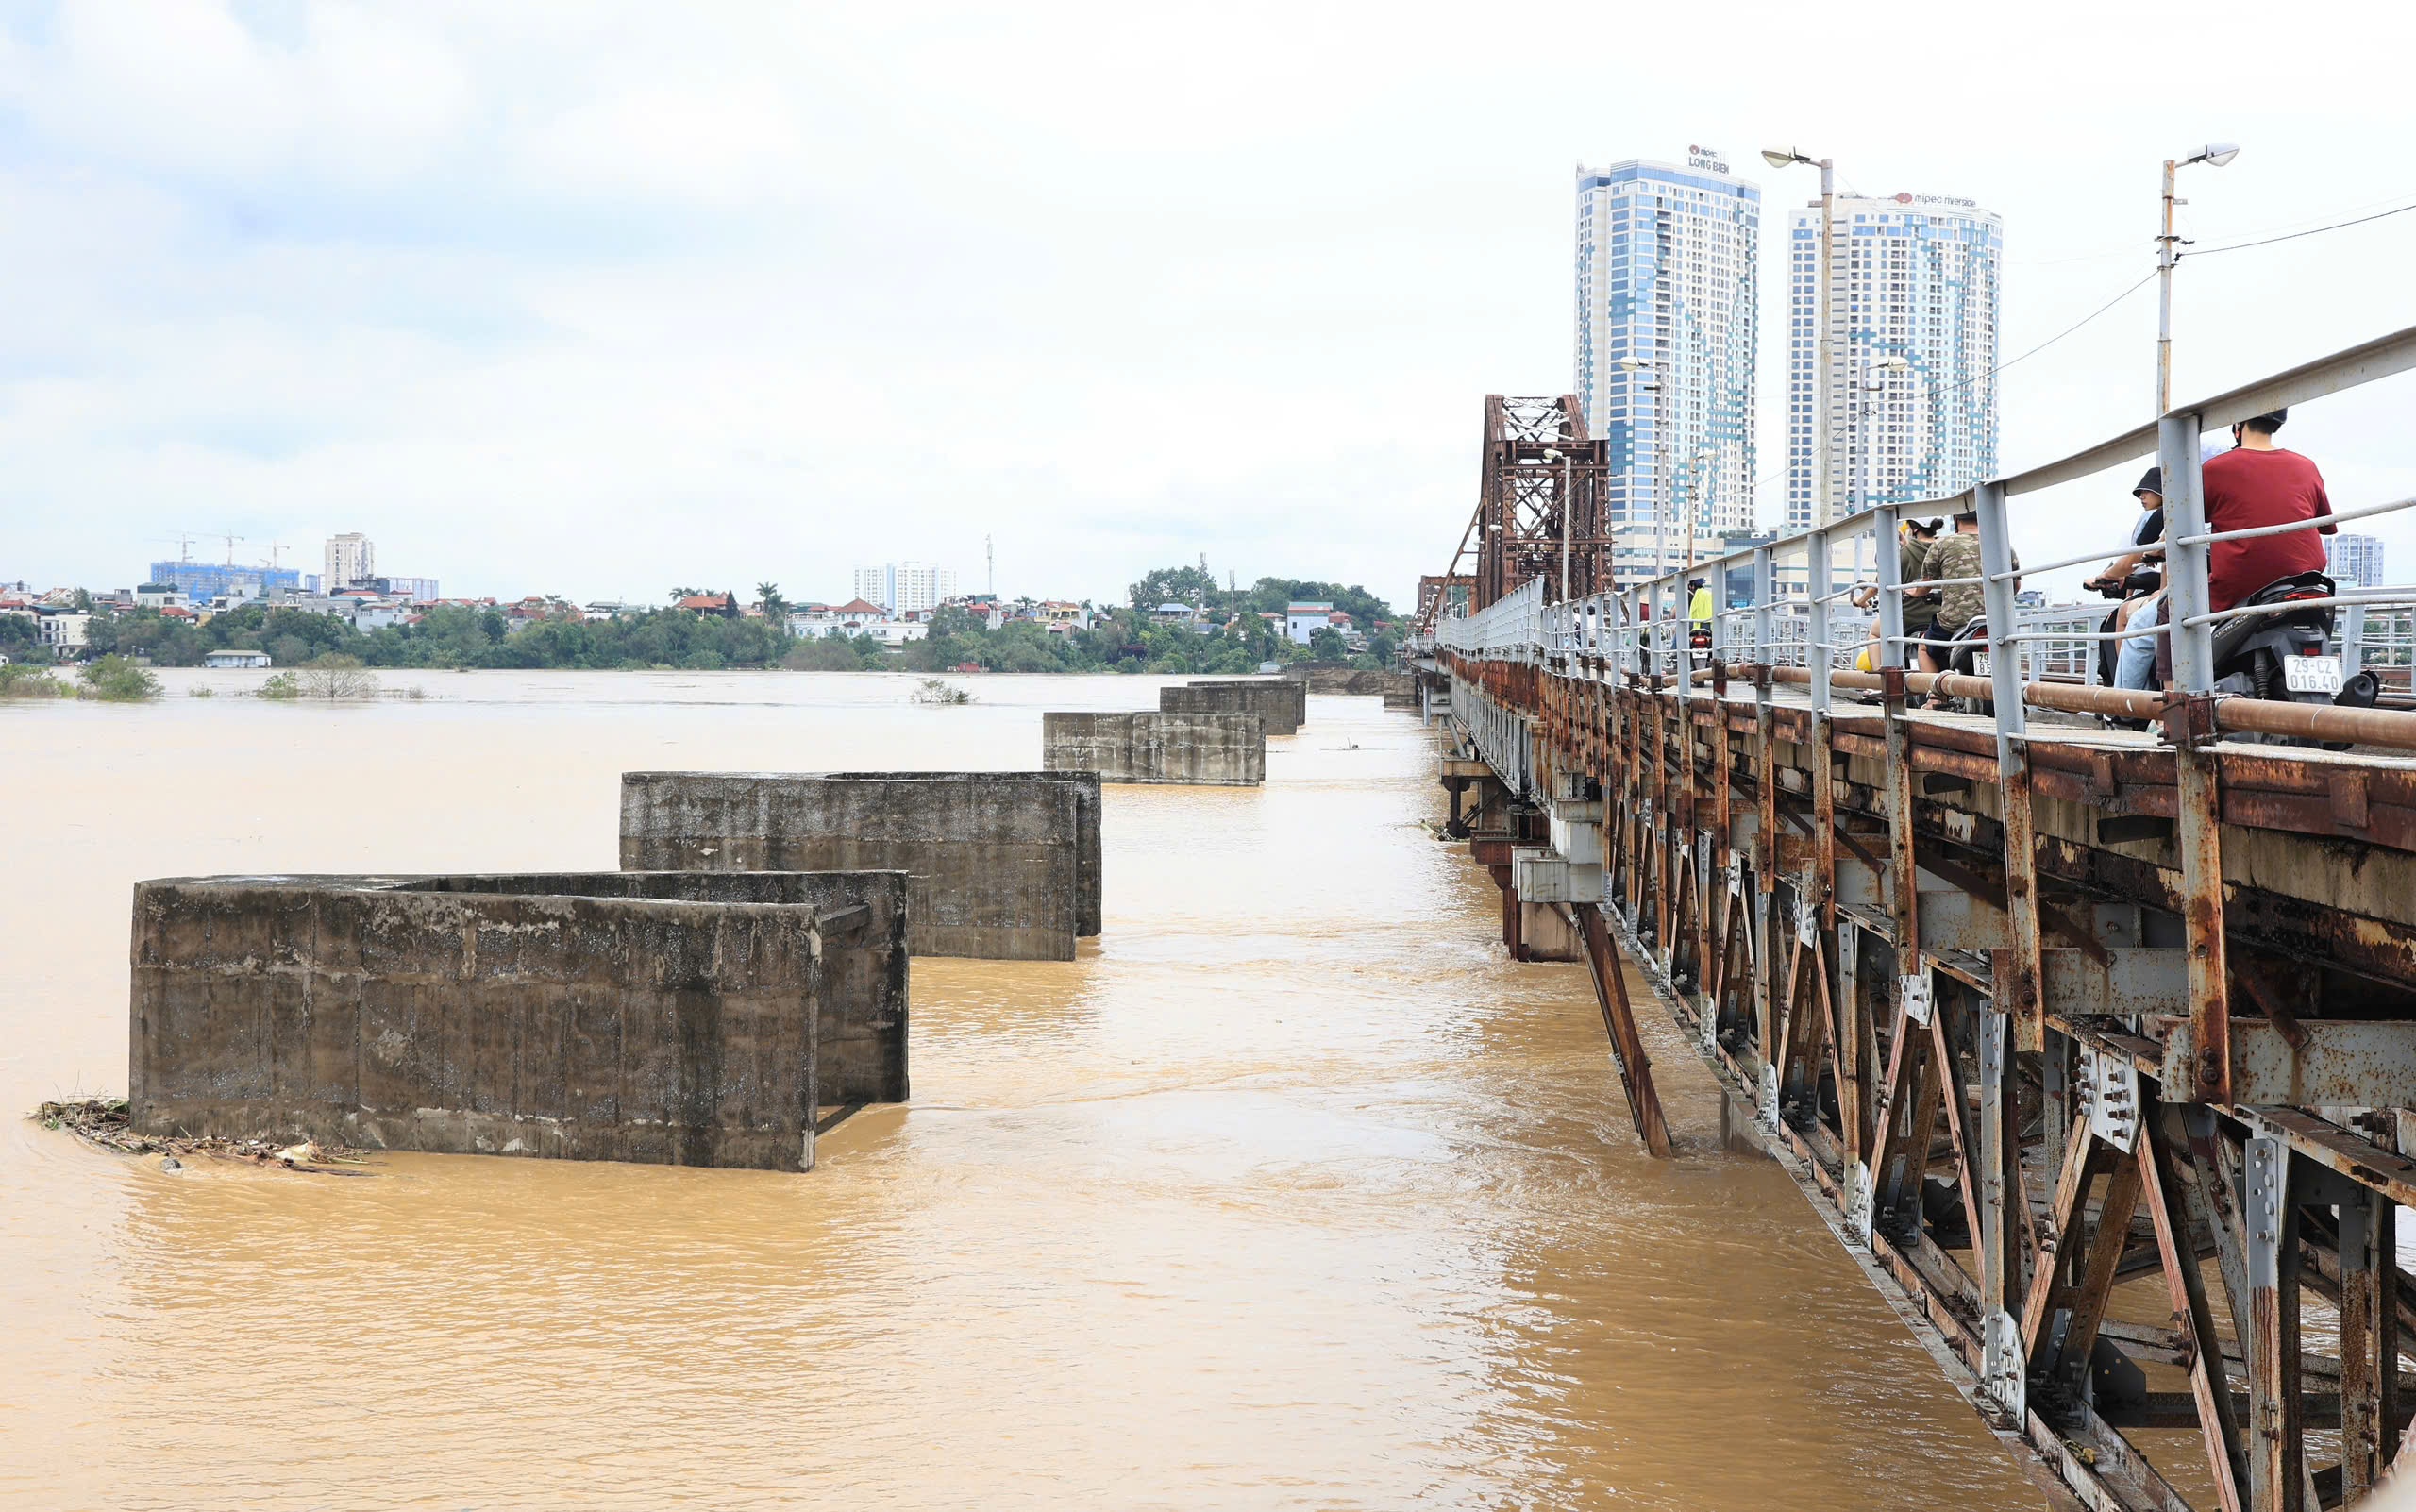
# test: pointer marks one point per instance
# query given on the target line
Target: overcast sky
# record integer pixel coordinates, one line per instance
(594, 300)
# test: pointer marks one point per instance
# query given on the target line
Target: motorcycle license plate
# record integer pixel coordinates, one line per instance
(1980, 664)
(2312, 674)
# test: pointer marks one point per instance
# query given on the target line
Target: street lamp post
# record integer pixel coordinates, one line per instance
(1568, 507)
(1649, 384)
(1788, 158)
(2214, 155)
(1696, 493)
(1871, 383)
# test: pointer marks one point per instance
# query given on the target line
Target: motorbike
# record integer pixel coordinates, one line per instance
(2287, 657)
(1699, 647)
(1968, 653)
(2144, 580)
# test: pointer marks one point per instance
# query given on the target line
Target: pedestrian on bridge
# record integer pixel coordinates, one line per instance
(1913, 538)
(1950, 556)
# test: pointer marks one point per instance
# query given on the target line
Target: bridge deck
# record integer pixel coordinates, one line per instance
(1986, 1019)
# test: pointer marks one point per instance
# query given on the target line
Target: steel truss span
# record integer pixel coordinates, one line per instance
(1541, 514)
(2055, 1025)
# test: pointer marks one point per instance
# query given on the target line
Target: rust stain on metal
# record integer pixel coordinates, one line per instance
(1712, 778)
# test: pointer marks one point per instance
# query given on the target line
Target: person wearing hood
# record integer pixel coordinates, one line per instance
(2135, 667)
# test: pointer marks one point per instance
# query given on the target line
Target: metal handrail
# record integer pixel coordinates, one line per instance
(2285, 606)
(2313, 522)
(1807, 634)
(2086, 556)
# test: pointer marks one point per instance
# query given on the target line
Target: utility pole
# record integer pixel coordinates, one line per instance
(1568, 511)
(1698, 501)
(1784, 158)
(1871, 383)
(1824, 509)
(2164, 261)
(2168, 253)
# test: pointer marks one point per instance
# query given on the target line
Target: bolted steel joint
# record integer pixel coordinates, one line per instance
(2188, 719)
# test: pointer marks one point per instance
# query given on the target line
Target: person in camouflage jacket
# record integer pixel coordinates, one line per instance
(1955, 554)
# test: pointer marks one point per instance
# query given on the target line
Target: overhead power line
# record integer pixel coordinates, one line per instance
(1937, 394)
(2074, 326)
(2293, 236)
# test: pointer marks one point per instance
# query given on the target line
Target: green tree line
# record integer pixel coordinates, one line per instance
(452, 635)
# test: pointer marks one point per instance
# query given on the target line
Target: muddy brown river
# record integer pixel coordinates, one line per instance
(1292, 1192)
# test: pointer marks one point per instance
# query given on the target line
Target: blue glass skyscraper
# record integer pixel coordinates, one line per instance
(1667, 316)
(1912, 378)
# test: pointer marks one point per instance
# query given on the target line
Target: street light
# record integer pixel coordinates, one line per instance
(1695, 496)
(1788, 157)
(1650, 385)
(1568, 507)
(2214, 155)
(1871, 383)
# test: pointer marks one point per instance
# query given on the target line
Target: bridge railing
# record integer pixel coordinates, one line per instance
(1817, 594)
(1512, 628)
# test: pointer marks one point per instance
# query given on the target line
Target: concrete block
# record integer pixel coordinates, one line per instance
(1003, 865)
(686, 1018)
(1280, 704)
(1545, 935)
(1577, 831)
(1197, 750)
(1336, 677)
(1547, 877)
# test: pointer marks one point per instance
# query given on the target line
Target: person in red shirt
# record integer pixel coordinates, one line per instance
(2258, 484)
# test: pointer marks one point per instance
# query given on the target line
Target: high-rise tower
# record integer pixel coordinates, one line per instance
(1667, 316)
(1913, 355)
(351, 558)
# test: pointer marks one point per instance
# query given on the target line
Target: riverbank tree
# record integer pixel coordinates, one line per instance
(1122, 639)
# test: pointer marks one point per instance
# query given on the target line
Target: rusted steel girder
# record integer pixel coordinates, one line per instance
(1541, 507)
(1618, 1021)
(1714, 776)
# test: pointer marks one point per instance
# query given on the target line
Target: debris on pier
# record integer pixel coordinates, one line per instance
(105, 1123)
(685, 1019)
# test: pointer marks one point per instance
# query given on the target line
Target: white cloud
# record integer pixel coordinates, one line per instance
(578, 296)
(725, 147)
(184, 86)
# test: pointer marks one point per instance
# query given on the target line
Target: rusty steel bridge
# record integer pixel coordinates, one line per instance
(2055, 1023)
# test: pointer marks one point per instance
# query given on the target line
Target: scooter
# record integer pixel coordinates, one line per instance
(2143, 581)
(1699, 647)
(2145, 578)
(1968, 653)
(2287, 657)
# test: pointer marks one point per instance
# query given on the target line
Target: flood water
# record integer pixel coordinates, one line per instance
(1290, 1193)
